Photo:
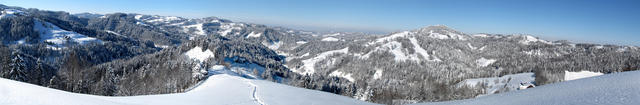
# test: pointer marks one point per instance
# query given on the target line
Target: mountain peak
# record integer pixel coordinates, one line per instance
(436, 27)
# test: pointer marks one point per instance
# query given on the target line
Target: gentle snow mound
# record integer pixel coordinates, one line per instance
(220, 89)
(611, 89)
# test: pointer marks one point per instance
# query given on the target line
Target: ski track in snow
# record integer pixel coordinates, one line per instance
(254, 93)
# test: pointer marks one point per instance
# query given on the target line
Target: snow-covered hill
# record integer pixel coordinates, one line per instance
(613, 89)
(221, 89)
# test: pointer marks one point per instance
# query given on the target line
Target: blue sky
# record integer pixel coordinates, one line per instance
(596, 21)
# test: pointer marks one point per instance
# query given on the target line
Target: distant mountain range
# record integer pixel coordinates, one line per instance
(124, 54)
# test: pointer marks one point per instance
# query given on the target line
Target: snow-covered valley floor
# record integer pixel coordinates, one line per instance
(611, 89)
(221, 89)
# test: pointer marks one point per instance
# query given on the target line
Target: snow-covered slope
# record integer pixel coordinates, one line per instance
(500, 84)
(221, 89)
(59, 37)
(7, 13)
(309, 64)
(330, 39)
(579, 75)
(612, 89)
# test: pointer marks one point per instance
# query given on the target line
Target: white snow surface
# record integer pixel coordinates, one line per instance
(611, 89)
(330, 39)
(196, 53)
(471, 46)
(7, 13)
(449, 35)
(273, 45)
(530, 39)
(309, 64)
(579, 75)
(219, 89)
(109, 31)
(398, 52)
(52, 33)
(480, 35)
(392, 36)
(197, 27)
(537, 52)
(254, 35)
(483, 62)
(420, 50)
(12, 11)
(342, 75)
(301, 42)
(138, 17)
(228, 28)
(494, 84)
(396, 48)
(378, 74)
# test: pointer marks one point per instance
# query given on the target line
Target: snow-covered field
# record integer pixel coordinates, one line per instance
(310, 64)
(579, 75)
(611, 89)
(507, 82)
(483, 62)
(54, 34)
(254, 34)
(7, 13)
(342, 75)
(330, 39)
(221, 89)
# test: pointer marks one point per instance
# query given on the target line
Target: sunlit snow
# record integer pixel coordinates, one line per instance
(59, 37)
(198, 54)
(579, 75)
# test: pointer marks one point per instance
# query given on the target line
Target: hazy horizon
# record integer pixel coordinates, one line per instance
(611, 22)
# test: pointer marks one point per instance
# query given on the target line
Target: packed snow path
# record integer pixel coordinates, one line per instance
(611, 89)
(254, 92)
(220, 89)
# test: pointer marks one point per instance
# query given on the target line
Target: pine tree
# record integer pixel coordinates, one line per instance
(17, 68)
(40, 72)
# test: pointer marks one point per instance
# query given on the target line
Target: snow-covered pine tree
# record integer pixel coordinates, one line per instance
(40, 72)
(17, 68)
